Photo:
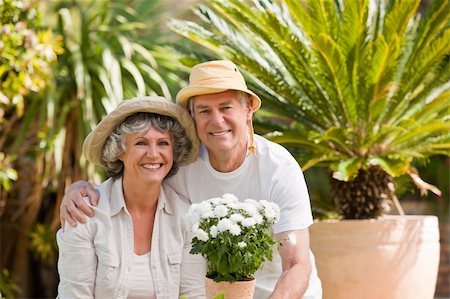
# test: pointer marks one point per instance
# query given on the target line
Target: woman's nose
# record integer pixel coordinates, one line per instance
(152, 151)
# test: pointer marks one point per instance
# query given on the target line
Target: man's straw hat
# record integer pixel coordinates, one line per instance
(95, 141)
(213, 77)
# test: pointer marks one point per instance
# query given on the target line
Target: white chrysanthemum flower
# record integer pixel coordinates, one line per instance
(235, 230)
(193, 207)
(277, 210)
(220, 211)
(271, 211)
(204, 209)
(237, 218)
(249, 208)
(207, 214)
(224, 225)
(201, 235)
(215, 201)
(230, 197)
(234, 205)
(221, 221)
(193, 214)
(249, 222)
(292, 239)
(204, 205)
(213, 231)
(194, 227)
(259, 219)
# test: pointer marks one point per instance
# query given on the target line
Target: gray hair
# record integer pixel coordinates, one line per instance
(243, 98)
(140, 123)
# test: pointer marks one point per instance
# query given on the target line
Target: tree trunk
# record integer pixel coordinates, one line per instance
(364, 197)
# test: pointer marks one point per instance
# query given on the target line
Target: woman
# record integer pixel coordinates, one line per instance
(138, 244)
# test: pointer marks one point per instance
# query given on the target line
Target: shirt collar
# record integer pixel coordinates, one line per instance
(117, 200)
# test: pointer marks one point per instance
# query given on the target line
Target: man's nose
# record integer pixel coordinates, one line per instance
(216, 116)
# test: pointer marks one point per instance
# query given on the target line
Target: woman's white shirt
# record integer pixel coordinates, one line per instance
(142, 282)
(96, 258)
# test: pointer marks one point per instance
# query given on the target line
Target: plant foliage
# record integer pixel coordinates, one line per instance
(27, 51)
(8, 286)
(234, 237)
(60, 74)
(351, 85)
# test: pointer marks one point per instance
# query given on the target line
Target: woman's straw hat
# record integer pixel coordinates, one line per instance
(95, 141)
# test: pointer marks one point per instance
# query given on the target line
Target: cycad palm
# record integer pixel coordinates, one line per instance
(361, 87)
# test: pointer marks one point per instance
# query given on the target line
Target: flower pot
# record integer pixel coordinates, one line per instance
(231, 290)
(395, 257)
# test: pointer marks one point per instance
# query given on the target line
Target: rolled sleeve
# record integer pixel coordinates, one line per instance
(77, 263)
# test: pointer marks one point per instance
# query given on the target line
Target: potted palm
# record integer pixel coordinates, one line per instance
(361, 87)
(235, 237)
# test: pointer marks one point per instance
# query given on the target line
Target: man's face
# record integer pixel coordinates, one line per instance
(221, 121)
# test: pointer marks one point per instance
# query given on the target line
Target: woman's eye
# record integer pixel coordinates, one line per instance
(164, 143)
(140, 142)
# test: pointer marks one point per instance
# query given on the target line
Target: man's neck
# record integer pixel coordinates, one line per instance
(227, 161)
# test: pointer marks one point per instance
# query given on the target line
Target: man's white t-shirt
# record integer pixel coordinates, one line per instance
(271, 174)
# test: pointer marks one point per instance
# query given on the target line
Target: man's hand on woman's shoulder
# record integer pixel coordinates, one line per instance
(73, 207)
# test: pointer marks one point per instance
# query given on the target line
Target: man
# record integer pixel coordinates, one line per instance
(234, 160)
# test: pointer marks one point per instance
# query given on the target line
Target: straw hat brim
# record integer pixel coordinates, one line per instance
(95, 141)
(186, 93)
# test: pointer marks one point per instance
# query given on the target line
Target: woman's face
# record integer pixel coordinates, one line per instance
(148, 157)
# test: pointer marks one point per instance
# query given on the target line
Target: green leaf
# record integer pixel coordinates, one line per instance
(344, 84)
(347, 169)
(395, 167)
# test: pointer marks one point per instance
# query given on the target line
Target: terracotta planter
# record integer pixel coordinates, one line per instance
(231, 290)
(395, 257)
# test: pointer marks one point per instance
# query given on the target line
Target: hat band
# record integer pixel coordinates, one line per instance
(218, 83)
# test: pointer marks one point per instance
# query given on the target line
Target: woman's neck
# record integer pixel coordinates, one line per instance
(140, 196)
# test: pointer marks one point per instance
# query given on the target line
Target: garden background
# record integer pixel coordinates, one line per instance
(65, 64)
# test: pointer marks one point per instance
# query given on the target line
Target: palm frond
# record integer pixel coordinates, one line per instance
(351, 83)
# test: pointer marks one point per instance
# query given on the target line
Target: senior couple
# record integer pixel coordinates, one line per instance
(136, 242)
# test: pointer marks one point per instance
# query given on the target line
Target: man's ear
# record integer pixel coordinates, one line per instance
(249, 114)
(190, 107)
(249, 109)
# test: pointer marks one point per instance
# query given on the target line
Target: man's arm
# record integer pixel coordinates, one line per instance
(296, 265)
(73, 204)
